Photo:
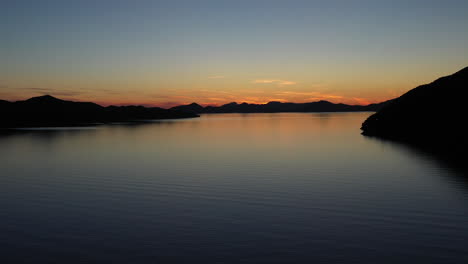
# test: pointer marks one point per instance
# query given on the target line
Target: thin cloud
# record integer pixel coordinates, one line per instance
(274, 81)
(287, 83)
(265, 81)
(361, 101)
(51, 91)
(309, 94)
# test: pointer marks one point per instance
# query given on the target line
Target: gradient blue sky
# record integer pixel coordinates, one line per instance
(212, 52)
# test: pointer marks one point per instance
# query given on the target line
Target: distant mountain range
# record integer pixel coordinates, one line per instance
(432, 116)
(49, 111)
(276, 107)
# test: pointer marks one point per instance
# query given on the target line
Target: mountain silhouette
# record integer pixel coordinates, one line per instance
(50, 111)
(432, 116)
(276, 107)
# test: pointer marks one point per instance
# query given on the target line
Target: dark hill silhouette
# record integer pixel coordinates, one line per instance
(191, 108)
(432, 116)
(4, 103)
(49, 111)
(276, 107)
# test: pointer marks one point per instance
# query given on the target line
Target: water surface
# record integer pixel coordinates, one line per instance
(227, 188)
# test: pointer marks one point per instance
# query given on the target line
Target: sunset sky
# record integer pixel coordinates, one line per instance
(164, 53)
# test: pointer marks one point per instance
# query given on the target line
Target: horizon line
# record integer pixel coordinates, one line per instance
(184, 104)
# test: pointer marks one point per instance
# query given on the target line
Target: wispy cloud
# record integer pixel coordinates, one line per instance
(309, 96)
(274, 81)
(361, 101)
(51, 91)
(292, 93)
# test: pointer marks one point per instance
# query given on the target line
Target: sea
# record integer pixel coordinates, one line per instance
(227, 188)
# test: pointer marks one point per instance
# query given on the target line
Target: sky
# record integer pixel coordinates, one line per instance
(165, 53)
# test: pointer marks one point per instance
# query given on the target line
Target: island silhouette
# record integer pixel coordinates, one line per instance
(278, 107)
(431, 117)
(50, 111)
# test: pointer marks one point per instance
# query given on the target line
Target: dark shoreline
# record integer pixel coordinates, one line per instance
(430, 118)
(279, 107)
(48, 111)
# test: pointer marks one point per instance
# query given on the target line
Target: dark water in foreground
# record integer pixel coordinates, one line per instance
(233, 188)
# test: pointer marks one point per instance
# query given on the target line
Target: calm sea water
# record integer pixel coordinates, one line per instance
(227, 188)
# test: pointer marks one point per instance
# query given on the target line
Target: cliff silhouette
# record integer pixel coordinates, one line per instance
(50, 111)
(431, 116)
(276, 107)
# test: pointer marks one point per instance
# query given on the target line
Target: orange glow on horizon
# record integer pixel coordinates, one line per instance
(171, 101)
(349, 101)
